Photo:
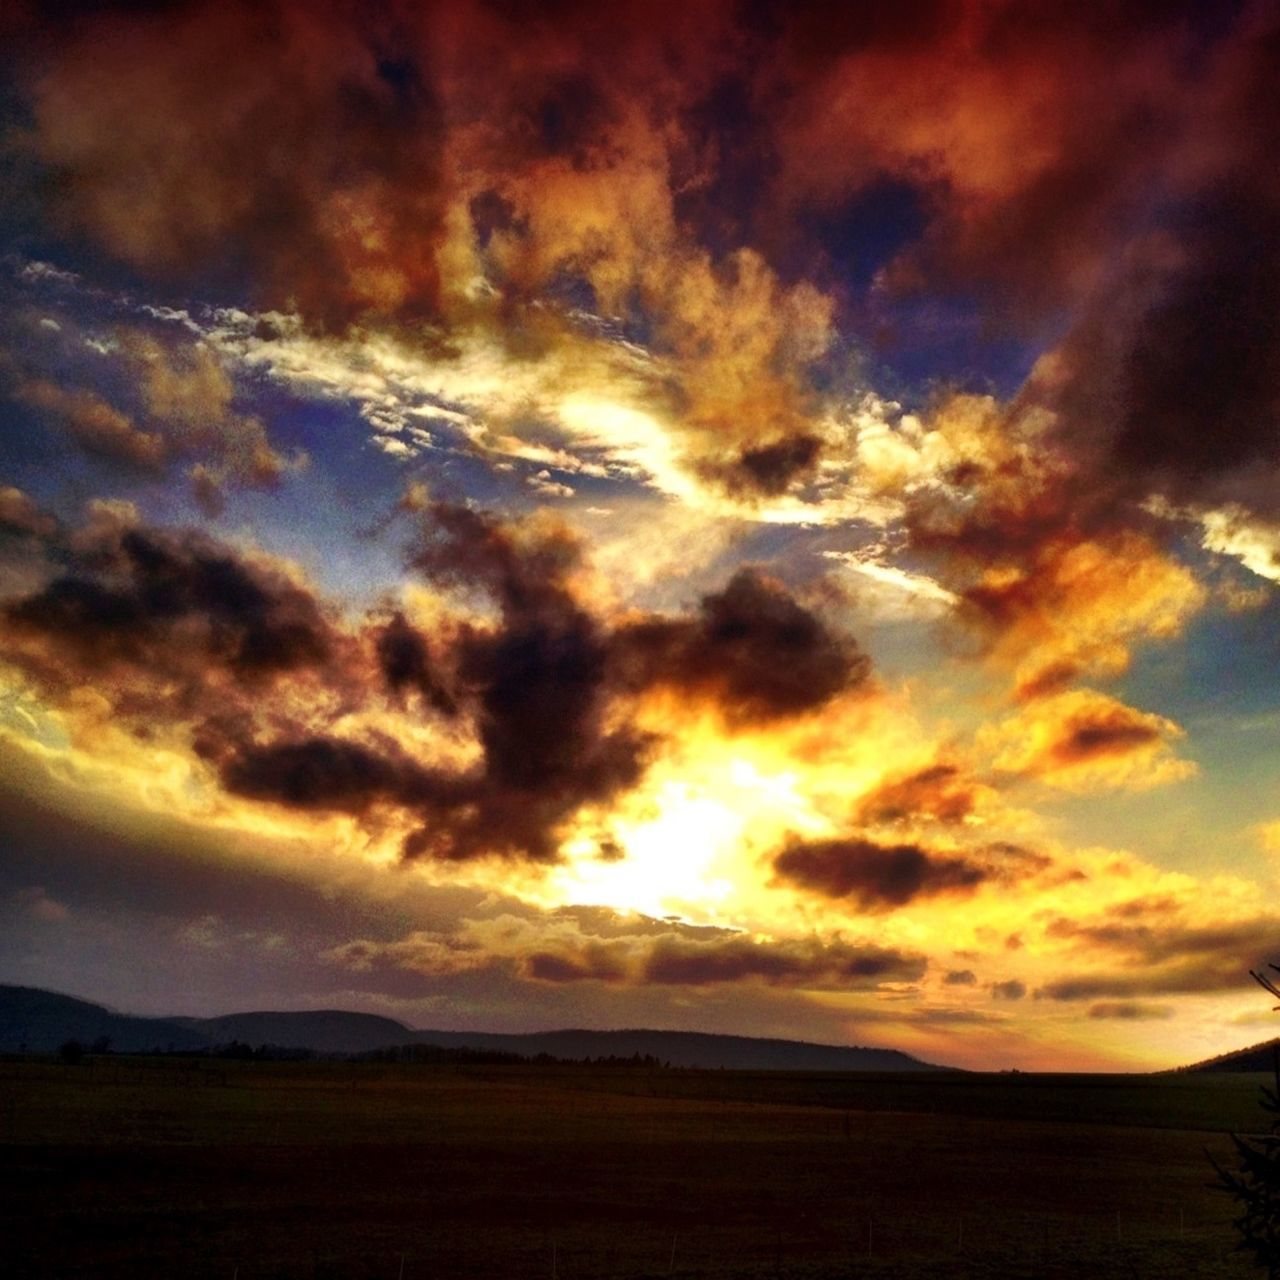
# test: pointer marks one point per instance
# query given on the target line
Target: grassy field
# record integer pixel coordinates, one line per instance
(183, 1168)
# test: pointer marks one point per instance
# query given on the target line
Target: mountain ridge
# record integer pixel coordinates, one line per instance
(1255, 1057)
(35, 1020)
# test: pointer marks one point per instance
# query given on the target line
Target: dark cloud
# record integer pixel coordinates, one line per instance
(195, 633)
(171, 605)
(752, 648)
(682, 962)
(280, 141)
(538, 686)
(1177, 366)
(1130, 1011)
(539, 682)
(765, 470)
(875, 876)
(1199, 377)
(589, 964)
(960, 978)
(407, 664)
(1115, 735)
(1010, 990)
(259, 671)
(1039, 135)
(678, 960)
(326, 773)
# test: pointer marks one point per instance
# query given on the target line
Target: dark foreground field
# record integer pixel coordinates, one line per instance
(173, 1168)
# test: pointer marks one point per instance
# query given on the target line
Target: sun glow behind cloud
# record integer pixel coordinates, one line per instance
(686, 842)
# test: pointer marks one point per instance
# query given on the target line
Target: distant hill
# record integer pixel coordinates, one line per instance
(322, 1030)
(1259, 1057)
(36, 1021)
(685, 1049)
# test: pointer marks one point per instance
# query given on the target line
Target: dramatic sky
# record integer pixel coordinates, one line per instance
(729, 516)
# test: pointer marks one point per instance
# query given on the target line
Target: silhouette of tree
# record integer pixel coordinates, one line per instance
(1255, 1182)
(71, 1052)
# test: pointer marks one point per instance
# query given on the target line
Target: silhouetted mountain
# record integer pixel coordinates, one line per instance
(35, 1021)
(323, 1030)
(1259, 1057)
(685, 1049)
(38, 1021)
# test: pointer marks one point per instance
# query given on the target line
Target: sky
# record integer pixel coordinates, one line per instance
(736, 517)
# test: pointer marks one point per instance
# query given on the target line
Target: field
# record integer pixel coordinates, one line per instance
(238, 1170)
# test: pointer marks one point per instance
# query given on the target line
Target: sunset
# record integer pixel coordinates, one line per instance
(745, 518)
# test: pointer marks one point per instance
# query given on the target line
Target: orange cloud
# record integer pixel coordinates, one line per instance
(1077, 608)
(1082, 740)
(941, 792)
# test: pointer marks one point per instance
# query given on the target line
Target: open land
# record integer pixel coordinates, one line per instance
(151, 1167)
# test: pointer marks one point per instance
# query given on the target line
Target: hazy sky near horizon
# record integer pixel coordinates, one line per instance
(723, 516)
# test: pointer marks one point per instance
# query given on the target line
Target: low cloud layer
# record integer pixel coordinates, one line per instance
(572, 948)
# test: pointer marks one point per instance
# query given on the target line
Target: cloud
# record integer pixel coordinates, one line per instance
(1130, 1010)
(944, 98)
(752, 650)
(1164, 382)
(1163, 954)
(942, 792)
(98, 428)
(257, 671)
(170, 607)
(1010, 990)
(538, 683)
(35, 902)
(1232, 531)
(875, 876)
(584, 188)
(582, 258)
(407, 664)
(890, 591)
(326, 773)
(765, 469)
(1077, 607)
(20, 515)
(411, 196)
(1083, 740)
(169, 403)
(488, 734)
(566, 948)
(273, 138)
